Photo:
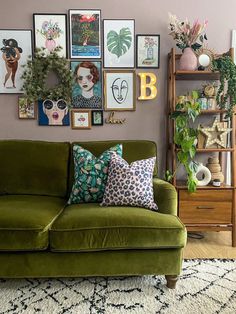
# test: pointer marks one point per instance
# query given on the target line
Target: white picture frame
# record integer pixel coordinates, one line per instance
(120, 55)
(233, 43)
(119, 90)
(16, 50)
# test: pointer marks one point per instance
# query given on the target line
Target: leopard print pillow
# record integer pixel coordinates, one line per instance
(130, 184)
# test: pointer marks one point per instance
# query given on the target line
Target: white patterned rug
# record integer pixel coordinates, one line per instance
(205, 287)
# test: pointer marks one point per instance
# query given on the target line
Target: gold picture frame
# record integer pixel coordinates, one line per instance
(80, 119)
(119, 90)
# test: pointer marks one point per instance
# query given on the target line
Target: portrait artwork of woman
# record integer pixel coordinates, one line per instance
(11, 55)
(87, 87)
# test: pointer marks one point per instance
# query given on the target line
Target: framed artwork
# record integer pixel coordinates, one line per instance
(53, 113)
(85, 33)
(147, 51)
(80, 119)
(50, 32)
(15, 49)
(97, 117)
(26, 110)
(119, 90)
(118, 41)
(87, 87)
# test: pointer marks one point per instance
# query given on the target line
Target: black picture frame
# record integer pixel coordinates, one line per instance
(149, 60)
(99, 56)
(93, 113)
(118, 65)
(23, 41)
(63, 44)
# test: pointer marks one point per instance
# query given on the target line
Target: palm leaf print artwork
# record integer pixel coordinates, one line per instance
(119, 44)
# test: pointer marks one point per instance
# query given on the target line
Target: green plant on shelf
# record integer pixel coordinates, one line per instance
(226, 95)
(186, 138)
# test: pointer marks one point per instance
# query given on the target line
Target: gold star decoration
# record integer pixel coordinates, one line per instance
(215, 134)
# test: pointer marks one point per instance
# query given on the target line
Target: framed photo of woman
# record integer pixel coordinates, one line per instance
(118, 41)
(119, 90)
(50, 32)
(147, 51)
(15, 50)
(87, 88)
(85, 33)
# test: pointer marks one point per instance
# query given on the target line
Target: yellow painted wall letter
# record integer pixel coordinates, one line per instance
(147, 90)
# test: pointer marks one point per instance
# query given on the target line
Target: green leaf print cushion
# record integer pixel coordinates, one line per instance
(90, 174)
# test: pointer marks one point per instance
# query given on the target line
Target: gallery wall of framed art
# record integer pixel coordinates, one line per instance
(101, 53)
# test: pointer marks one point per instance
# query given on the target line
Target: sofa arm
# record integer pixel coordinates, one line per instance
(165, 196)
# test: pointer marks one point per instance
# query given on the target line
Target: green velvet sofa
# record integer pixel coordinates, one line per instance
(40, 236)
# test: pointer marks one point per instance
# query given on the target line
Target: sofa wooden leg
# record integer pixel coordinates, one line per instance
(171, 281)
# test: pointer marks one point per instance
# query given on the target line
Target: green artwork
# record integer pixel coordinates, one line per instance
(119, 44)
(90, 174)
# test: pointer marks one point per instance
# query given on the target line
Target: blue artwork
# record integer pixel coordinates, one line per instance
(87, 89)
(53, 112)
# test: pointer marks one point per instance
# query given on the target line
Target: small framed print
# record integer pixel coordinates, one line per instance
(119, 90)
(50, 32)
(97, 117)
(118, 41)
(80, 119)
(26, 110)
(87, 87)
(85, 33)
(147, 51)
(15, 51)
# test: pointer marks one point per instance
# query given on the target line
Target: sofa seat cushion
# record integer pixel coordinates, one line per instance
(25, 220)
(85, 227)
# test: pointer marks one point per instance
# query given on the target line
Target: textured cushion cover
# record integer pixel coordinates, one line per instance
(25, 219)
(90, 174)
(34, 167)
(85, 227)
(132, 150)
(130, 184)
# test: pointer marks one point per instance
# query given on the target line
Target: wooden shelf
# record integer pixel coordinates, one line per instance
(208, 111)
(181, 185)
(210, 150)
(196, 75)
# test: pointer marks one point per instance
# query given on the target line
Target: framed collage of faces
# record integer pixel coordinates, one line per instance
(94, 89)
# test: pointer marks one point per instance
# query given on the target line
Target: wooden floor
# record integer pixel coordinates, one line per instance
(213, 245)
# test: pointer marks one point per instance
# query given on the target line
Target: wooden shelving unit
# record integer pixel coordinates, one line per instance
(209, 208)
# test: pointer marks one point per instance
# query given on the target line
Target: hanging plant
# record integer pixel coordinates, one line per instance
(226, 95)
(186, 139)
(37, 71)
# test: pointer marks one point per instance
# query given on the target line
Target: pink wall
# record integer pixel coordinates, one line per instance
(151, 16)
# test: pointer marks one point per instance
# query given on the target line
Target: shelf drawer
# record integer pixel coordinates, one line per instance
(206, 206)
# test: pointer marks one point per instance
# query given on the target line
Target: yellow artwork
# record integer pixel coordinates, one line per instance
(147, 90)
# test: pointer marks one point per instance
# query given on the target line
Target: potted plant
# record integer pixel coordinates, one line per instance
(186, 138)
(226, 94)
(188, 38)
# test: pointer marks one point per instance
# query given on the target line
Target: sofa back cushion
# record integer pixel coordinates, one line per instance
(34, 167)
(132, 150)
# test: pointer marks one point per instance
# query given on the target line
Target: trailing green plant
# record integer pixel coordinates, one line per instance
(226, 94)
(186, 138)
(36, 72)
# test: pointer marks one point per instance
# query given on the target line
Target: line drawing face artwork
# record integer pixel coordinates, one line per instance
(120, 90)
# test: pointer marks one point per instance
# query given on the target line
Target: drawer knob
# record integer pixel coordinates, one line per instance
(205, 207)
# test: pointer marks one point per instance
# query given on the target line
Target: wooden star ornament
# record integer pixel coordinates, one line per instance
(215, 134)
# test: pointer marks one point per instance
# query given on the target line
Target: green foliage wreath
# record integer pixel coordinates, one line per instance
(36, 72)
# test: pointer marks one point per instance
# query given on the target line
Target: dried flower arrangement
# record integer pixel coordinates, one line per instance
(185, 34)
